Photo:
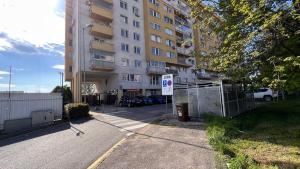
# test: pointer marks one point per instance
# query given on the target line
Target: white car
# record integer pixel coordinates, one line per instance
(265, 93)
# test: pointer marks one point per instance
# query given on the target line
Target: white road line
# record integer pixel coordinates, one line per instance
(117, 112)
(135, 122)
(118, 121)
(129, 134)
(134, 127)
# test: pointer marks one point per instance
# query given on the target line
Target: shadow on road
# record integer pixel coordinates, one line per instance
(160, 138)
(35, 133)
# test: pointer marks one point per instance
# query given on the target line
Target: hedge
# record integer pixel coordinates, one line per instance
(76, 110)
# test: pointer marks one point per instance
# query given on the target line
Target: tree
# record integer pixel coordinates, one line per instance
(67, 93)
(261, 39)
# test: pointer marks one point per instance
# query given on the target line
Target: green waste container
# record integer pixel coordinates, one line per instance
(183, 112)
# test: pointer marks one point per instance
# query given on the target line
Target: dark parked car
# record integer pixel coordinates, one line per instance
(146, 100)
(156, 99)
(131, 102)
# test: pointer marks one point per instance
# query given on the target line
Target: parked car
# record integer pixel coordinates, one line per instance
(145, 100)
(266, 94)
(130, 102)
(156, 99)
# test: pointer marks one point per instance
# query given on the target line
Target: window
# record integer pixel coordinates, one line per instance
(124, 19)
(125, 47)
(156, 38)
(137, 50)
(154, 13)
(137, 63)
(154, 80)
(136, 23)
(168, 9)
(157, 64)
(98, 56)
(123, 4)
(168, 20)
(170, 54)
(135, 11)
(156, 51)
(154, 2)
(169, 31)
(155, 26)
(124, 33)
(125, 62)
(169, 43)
(136, 36)
(132, 77)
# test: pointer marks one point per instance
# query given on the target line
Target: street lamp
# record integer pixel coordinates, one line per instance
(83, 49)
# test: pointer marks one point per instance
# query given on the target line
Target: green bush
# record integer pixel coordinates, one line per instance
(241, 161)
(77, 110)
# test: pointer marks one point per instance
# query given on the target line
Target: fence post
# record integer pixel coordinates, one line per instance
(222, 99)
(237, 101)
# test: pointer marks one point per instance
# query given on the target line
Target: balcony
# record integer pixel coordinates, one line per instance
(156, 70)
(183, 61)
(183, 29)
(184, 51)
(101, 13)
(172, 71)
(103, 46)
(102, 30)
(97, 64)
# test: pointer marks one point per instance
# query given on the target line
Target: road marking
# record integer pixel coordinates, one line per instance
(118, 121)
(105, 155)
(134, 127)
(135, 122)
(129, 134)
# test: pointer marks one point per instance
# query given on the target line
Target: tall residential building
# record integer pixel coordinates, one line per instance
(124, 46)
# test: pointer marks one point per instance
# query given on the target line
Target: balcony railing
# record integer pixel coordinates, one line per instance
(172, 71)
(102, 30)
(156, 70)
(101, 13)
(103, 46)
(97, 64)
(185, 51)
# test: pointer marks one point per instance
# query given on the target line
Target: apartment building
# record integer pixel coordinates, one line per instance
(124, 46)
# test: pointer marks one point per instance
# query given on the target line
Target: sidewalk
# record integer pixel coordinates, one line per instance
(168, 144)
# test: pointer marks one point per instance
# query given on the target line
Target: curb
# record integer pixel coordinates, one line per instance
(97, 163)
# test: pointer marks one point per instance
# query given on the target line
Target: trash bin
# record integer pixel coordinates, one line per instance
(183, 112)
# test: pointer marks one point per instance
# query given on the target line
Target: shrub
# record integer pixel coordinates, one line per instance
(76, 110)
(241, 161)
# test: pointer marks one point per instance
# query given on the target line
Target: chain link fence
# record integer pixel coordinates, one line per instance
(226, 100)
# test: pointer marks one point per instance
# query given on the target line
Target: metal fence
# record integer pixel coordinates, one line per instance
(221, 99)
(21, 105)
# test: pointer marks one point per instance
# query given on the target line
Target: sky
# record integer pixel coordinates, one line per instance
(32, 44)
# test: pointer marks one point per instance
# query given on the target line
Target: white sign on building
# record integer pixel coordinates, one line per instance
(167, 85)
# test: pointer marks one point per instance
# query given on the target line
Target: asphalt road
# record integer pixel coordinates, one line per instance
(75, 145)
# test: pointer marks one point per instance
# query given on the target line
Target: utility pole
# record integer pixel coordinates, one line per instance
(9, 84)
(62, 89)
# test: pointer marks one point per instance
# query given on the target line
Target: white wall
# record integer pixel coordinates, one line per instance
(20, 106)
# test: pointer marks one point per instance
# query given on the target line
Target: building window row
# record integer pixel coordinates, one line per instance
(136, 49)
(135, 10)
(125, 34)
(124, 19)
(159, 52)
(126, 63)
(132, 77)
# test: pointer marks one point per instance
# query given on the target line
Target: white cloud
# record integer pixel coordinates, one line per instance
(34, 21)
(5, 86)
(59, 67)
(1, 78)
(4, 73)
(4, 44)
